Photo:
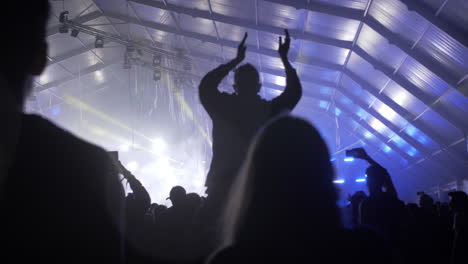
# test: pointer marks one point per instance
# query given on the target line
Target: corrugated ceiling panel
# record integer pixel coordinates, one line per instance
(137, 32)
(147, 13)
(112, 53)
(60, 44)
(331, 26)
(419, 136)
(280, 15)
(402, 97)
(198, 4)
(318, 72)
(206, 48)
(271, 62)
(366, 71)
(73, 7)
(445, 50)
(101, 23)
(379, 127)
(78, 63)
(350, 85)
(379, 47)
(394, 15)
(238, 8)
(52, 73)
(406, 147)
(355, 4)
(434, 4)
(456, 101)
(423, 78)
(440, 126)
(270, 41)
(389, 114)
(449, 106)
(116, 6)
(324, 52)
(196, 24)
(455, 11)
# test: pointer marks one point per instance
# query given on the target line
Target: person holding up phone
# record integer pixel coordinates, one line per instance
(382, 210)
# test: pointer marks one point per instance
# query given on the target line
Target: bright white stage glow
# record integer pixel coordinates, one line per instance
(279, 80)
(44, 79)
(99, 76)
(349, 159)
(124, 148)
(132, 166)
(377, 125)
(386, 112)
(339, 181)
(158, 146)
(361, 180)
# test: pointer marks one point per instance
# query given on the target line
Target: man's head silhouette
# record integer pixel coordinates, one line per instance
(25, 49)
(247, 80)
(178, 196)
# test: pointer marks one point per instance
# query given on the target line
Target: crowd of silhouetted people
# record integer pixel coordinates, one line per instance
(271, 196)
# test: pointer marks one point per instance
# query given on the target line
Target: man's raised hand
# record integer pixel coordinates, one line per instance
(241, 49)
(283, 48)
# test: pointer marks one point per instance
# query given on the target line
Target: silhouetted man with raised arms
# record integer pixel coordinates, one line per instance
(237, 117)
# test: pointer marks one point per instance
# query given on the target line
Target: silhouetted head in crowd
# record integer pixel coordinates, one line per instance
(375, 179)
(193, 200)
(357, 197)
(25, 48)
(178, 196)
(426, 202)
(458, 201)
(247, 80)
(285, 188)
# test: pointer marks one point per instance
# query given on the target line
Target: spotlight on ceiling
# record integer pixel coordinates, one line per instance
(339, 181)
(99, 43)
(157, 75)
(63, 18)
(74, 33)
(157, 59)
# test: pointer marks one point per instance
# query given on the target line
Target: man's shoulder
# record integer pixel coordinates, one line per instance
(51, 138)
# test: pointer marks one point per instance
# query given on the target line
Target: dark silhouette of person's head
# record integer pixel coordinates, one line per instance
(375, 179)
(247, 80)
(178, 196)
(459, 201)
(426, 202)
(285, 187)
(25, 47)
(193, 200)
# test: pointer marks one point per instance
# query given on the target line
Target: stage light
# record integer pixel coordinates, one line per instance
(124, 147)
(339, 181)
(43, 79)
(349, 159)
(280, 81)
(74, 33)
(157, 59)
(99, 43)
(157, 75)
(158, 146)
(99, 76)
(361, 180)
(332, 159)
(132, 166)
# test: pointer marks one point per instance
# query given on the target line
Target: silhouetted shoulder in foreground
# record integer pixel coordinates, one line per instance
(61, 199)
